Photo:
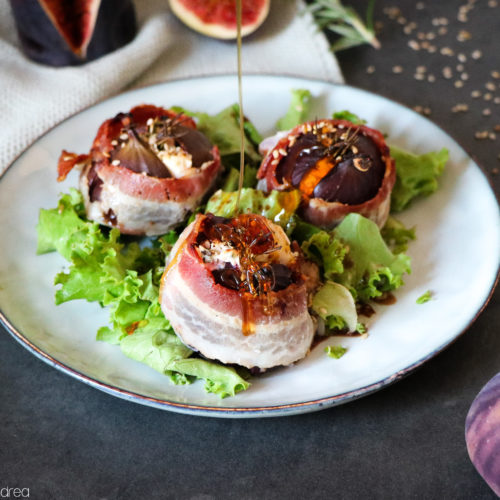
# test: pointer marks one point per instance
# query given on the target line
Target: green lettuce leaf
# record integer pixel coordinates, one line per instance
(416, 175)
(335, 351)
(347, 115)
(335, 305)
(277, 206)
(396, 235)
(297, 111)
(327, 251)
(370, 268)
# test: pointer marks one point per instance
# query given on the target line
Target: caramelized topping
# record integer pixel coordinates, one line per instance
(333, 163)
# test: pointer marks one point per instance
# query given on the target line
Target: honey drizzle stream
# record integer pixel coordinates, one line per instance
(240, 99)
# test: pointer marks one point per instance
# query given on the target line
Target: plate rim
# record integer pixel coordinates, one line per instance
(244, 411)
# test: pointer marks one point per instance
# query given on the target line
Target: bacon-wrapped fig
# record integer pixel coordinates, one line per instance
(233, 290)
(145, 171)
(338, 166)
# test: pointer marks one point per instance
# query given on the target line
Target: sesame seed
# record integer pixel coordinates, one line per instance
(494, 171)
(114, 142)
(370, 69)
(460, 108)
(419, 76)
(421, 69)
(414, 45)
(487, 96)
(282, 152)
(476, 54)
(427, 111)
(463, 36)
(495, 74)
(475, 94)
(486, 112)
(397, 69)
(496, 100)
(464, 76)
(421, 36)
(459, 84)
(407, 29)
(492, 3)
(492, 136)
(447, 72)
(430, 36)
(431, 78)
(123, 137)
(115, 162)
(446, 51)
(432, 49)
(462, 58)
(149, 122)
(401, 20)
(442, 30)
(496, 128)
(275, 154)
(420, 6)
(490, 86)
(460, 67)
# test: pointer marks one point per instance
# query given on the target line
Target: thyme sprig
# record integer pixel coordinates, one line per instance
(332, 16)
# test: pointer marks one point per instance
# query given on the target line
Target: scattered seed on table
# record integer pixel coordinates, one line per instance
(464, 76)
(475, 94)
(486, 112)
(496, 128)
(460, 108)
(459, 84)
(463, 36)
(462, 57)
(370, 69)
(431, 78)
(490, 86)
(442, 30)
(492, 3)
(460, 67)
(494, 171)
(487, 96)
(447, 72)
(397, 69)
(492, 136)
(419, 76)
(476, 54)
(420, 5)
(413, 44)
(446, 51)
(495, 74)
(483, 134)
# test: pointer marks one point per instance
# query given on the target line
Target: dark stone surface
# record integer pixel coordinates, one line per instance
(63, 439)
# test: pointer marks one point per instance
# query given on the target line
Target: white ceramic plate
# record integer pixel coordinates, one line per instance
(456, 256)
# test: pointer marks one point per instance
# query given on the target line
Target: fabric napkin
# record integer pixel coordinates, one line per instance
(34, 97)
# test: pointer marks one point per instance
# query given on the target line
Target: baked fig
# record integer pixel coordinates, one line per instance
(217, 18)
(339, 168)
(482, 433)
(69, 33)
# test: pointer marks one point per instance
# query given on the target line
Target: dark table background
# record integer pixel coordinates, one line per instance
(65, 440)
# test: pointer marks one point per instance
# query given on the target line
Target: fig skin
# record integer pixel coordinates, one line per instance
(41, 41)
(225, 29)
(482, 433)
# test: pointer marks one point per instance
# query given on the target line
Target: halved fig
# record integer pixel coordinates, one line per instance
(65, 33)
(234, 290)
(217, 18)
(146, 170)
(339, 168)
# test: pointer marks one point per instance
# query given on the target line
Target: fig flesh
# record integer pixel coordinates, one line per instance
(217, 18)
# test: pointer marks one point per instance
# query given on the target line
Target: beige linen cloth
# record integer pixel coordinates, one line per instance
(33, 97)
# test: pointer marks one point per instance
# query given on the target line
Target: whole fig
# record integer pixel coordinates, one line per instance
(482, 433)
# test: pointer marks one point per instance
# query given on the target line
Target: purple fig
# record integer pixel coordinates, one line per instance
(482, 433)
(60, 33)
